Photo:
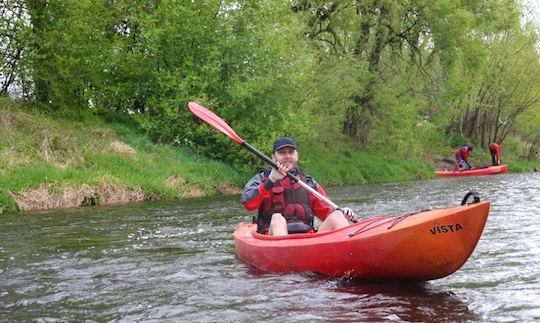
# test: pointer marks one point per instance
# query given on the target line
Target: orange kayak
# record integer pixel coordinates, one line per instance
(414, 247)
(500, 169)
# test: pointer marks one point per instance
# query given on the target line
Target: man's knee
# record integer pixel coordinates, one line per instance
(335, 220)
(278, 225)
(278, 219)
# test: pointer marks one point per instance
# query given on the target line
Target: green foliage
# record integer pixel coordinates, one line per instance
(343, 164)
(320, 109)
(530, 133)
(222, 55)
(520, 166)
(484, 97)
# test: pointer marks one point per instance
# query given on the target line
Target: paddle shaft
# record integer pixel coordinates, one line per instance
(291, 176)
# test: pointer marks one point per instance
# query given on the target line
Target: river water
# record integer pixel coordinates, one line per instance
(175, 261)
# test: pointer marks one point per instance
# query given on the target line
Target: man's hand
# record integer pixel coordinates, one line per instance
(349, 214)
(278, 174)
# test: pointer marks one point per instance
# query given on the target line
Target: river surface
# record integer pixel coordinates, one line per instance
(175, 261)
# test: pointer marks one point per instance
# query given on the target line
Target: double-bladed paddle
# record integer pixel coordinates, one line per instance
(215, 121)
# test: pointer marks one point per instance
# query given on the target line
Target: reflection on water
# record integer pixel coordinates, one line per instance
(175, 261)
(318, 298)
(409, 302)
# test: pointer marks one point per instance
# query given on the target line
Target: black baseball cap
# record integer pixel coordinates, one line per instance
(284, 142)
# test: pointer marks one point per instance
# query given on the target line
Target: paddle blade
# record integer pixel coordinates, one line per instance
(214, 120)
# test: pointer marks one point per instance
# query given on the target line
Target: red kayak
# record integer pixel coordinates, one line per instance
(413, 247)
(500, 169)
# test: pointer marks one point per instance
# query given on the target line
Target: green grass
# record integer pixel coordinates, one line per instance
(521, 166)
(36, 149)
(345, 164)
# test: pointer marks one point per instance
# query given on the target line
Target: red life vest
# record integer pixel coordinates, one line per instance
(289, 199)
(463, 153)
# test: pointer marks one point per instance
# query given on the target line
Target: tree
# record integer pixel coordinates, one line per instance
(507, 87)
(380, 34)
(237, 57)
(416, 53)
(12, 44)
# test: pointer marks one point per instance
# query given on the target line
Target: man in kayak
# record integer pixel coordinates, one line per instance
(495, 151)
(462, 157)
(286, 207)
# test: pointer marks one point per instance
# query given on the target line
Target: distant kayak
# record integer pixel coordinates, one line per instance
(413, 247)
(491, 170)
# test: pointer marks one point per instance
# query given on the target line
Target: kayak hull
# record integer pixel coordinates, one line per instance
(418, 247)
(491, 170)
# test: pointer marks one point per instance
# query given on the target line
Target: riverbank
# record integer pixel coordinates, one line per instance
(51, 162)
(48, 162)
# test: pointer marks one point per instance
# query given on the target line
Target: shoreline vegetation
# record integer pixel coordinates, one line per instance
(53, 162)
(93, 94)
(49, 162)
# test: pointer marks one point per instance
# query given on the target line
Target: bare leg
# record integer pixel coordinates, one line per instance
(336, 220)
(278, 225)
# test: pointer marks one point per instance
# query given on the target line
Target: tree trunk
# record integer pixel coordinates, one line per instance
(38, 17)
(358, 119)
(357, 122)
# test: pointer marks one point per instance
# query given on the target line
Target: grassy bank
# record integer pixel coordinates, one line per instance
(48, 162)
(54, 162)
(345, 165)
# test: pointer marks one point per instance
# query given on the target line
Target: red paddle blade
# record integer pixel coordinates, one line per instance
(214, 120)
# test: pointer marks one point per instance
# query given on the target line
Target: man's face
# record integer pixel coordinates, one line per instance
(287, 156)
